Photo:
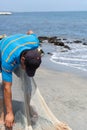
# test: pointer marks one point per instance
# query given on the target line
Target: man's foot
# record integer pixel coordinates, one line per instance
(33, 115)
(33, 111)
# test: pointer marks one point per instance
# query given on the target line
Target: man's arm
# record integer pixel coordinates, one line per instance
(9, 118)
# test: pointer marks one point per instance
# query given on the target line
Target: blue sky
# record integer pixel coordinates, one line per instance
(43, 5)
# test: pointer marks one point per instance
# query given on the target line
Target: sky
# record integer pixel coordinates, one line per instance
(43, 5)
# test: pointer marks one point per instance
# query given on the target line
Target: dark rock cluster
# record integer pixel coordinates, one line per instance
(63, 42)
(55, 40)
(60, 41)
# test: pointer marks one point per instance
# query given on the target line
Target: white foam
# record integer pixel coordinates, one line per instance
(76, 57)
(67, 58)
(74, 65)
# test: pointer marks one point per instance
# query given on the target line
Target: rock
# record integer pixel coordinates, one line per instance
(77, 41)
(49, 53)
(84, 43)
(52, 39)
(59, 43)
(42, 38)
(64, 39)
(66, 46)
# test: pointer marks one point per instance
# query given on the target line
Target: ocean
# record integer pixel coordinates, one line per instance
(65, 25)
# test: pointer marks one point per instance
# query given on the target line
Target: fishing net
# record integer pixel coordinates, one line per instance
(30, 110)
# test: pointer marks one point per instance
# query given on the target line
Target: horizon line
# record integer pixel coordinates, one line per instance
(47, 11)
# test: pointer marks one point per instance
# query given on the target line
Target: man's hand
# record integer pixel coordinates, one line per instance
(9, 120)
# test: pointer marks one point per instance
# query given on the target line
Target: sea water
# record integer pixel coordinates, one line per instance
(66, 25)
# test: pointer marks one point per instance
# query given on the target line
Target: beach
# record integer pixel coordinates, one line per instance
(62, 76)
(64, 91)
(65, 94)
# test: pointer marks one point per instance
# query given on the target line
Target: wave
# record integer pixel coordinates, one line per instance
(70, 59)
(71, 62)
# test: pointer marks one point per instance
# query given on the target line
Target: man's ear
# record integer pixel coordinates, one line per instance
(22, 62)
(22, 59)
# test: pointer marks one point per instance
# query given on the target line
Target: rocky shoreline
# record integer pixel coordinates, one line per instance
(64, 42)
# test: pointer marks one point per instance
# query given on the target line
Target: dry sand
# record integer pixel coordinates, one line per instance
(66, 96)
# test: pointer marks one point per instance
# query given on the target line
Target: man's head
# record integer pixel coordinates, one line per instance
(32, 60)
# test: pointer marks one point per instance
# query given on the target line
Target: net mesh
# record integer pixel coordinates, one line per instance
(30, 110)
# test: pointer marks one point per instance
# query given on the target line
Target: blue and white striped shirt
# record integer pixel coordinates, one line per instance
(10, 50)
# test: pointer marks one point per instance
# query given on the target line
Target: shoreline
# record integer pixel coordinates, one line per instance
(72, 60)
(48, 64)
(65, 94)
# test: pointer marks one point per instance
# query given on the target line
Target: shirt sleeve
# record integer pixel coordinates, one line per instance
(6, 72)
(6, 76)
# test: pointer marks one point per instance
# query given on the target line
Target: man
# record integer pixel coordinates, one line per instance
(20, 49)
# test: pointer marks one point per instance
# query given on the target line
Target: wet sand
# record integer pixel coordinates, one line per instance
(66, 95)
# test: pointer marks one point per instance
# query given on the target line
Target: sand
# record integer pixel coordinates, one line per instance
(66, 95)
